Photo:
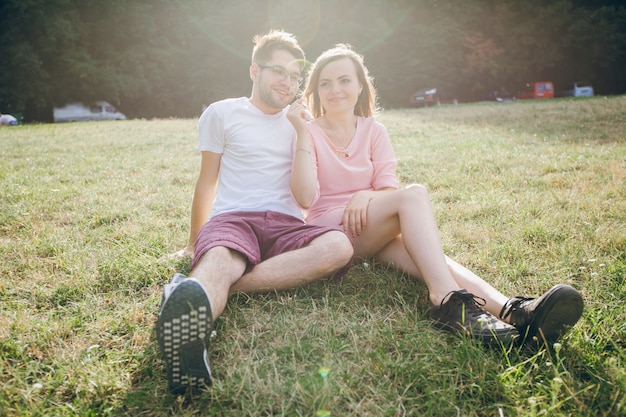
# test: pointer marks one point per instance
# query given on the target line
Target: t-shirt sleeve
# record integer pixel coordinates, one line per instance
(384, 159)
(211, 134)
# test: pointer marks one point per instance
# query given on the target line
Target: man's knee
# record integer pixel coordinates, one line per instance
(338, 246)
(221, 255)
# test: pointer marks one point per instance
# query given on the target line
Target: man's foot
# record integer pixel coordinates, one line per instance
(177, 278)
(461, 312)
(183, 331)
(545, 318)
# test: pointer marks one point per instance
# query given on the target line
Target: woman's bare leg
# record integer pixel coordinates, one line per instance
(408, 212)
(477, 286)
(418, 249)
(395, 254)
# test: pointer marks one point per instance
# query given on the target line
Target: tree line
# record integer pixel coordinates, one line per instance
(164, 58)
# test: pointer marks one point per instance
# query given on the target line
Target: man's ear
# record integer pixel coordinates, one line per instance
(254, 71)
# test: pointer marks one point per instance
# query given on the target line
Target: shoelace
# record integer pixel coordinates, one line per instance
(511, 305)
(473, 303)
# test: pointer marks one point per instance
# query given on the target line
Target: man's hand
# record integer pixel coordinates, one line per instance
(183, 253)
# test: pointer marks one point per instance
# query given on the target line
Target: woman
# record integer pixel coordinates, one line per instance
(344, 173)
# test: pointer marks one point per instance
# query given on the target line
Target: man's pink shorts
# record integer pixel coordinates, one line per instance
(256, 235)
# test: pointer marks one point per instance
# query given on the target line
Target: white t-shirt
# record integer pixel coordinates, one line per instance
(257, 154)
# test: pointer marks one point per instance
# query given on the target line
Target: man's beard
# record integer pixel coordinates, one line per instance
(267, 95)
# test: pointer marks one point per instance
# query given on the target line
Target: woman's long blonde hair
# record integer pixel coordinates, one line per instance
(366, 105)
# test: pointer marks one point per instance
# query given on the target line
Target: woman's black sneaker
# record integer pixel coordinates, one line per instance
(547, 318)
(461, 312)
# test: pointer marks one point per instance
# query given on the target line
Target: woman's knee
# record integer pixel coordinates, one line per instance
(415, 194)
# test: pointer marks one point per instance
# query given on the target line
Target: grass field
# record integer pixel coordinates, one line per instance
(527, 194)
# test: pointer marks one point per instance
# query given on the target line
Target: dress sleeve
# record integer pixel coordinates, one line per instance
(383, 158)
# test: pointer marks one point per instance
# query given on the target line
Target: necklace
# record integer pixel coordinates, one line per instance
(340, 151)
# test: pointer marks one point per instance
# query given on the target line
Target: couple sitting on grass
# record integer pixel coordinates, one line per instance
(264, 160)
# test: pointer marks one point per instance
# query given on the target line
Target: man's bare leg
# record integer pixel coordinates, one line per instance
(187, 315)
(324, 256)
(217, 270)
(186, 318)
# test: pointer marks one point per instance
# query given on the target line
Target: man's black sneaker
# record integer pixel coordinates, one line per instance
(547, 318)
(462, 312)
(183, 331)
(177, 278)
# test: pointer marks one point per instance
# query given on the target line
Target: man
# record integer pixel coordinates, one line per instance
(255, 239)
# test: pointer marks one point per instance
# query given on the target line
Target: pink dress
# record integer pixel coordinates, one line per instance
(368, 163)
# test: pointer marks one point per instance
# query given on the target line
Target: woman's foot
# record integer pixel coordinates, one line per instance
(547, 318)
(461, 312)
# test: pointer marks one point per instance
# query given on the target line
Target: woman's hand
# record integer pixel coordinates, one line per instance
(298, 115)
(355, 214)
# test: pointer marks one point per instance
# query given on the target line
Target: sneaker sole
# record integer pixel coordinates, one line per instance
(559, 311)
(183, 332)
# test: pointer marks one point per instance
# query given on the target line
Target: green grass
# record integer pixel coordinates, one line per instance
(527, 194)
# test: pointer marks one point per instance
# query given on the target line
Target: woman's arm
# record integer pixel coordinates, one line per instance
(303, 178)
(383, 180)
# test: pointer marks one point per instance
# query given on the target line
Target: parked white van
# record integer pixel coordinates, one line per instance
(79, 112)
(577, 89)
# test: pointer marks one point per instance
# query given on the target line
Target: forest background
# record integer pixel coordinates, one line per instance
(162, 58)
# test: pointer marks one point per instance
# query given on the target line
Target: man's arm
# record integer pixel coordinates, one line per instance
(203, 196)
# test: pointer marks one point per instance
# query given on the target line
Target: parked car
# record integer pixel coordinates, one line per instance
(433, 96)
(501, 96)
(79, 112)
(538, 89)
(577, 89)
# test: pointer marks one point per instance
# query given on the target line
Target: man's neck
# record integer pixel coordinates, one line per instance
(263, 107)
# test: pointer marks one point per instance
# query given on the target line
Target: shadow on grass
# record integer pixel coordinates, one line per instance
(370, 328)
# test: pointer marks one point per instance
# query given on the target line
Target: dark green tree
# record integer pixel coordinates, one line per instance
(161, 58)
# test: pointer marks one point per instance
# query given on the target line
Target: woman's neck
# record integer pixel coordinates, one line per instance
(340, 130)
(342, 121)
